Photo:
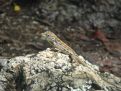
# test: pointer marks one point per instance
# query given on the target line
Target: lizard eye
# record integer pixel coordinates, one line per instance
(48, 35)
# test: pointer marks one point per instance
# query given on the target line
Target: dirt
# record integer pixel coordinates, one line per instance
(75, 22)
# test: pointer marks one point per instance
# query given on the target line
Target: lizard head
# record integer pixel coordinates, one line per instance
(49, 36)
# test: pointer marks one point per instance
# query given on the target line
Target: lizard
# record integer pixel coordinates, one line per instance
(61, 46)
(56, 42)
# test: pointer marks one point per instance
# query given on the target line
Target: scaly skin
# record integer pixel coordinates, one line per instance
(63, 47)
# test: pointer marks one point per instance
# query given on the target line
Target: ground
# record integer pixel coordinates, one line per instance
(93, 34)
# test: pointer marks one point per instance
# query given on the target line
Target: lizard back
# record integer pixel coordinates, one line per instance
(57, 43)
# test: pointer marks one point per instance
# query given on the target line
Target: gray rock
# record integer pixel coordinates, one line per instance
(47, 71)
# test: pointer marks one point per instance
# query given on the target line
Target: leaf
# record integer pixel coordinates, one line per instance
(101, 36)
(17, 8)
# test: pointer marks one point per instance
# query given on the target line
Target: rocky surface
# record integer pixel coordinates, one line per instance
(73, 21)
(48, 71)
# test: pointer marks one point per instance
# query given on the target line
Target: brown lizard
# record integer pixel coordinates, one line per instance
(63, 47)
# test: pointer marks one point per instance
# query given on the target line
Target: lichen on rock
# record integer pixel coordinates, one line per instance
(47, 71)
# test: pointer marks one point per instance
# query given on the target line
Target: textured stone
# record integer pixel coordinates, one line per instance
(48, 71)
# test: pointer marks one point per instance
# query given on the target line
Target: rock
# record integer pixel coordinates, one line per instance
(48, 71)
